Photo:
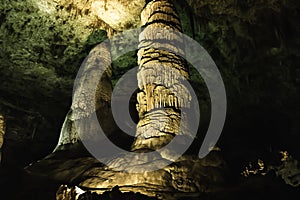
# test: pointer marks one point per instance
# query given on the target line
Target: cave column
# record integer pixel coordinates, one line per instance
(161, 73)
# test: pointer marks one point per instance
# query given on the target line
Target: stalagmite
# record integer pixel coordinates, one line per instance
(92, 93)
(161, 72)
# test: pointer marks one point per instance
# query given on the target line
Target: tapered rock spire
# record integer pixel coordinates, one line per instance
(90, 96)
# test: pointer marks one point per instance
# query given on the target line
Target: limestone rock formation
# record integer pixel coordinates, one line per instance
(115, 13)
(162, 71)
(186, 175)
(65, 193)
(91, 96)
(160, 112)
(2, 132)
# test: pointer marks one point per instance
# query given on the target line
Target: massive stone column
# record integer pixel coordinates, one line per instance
(161, 76)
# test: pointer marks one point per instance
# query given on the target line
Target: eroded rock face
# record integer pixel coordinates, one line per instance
(162, 71)
(119, 14)
(91, 97)
(114, 13)
(2, 132)
(188, 175)
(71, 193)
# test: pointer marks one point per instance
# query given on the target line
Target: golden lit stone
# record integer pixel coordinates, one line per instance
(117, 13)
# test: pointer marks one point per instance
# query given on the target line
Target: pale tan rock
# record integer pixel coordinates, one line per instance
(114, 13)
(161, 73)
(92, 94)
(188, 174)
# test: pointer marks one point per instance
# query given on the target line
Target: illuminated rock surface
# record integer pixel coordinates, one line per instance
(188, 174)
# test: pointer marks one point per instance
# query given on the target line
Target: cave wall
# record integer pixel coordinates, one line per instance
(42, 47)
(255, 44)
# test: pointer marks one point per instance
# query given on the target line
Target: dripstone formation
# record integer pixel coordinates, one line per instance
(163, 99)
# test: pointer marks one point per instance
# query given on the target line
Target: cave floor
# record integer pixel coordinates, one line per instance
(16, 184)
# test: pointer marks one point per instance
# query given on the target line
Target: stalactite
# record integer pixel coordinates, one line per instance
(166, 75)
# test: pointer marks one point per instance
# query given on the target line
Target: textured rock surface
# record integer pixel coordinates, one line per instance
(42, 47)
(161, 73)
(66, 193)
(117, 14)
(2, 132)
(159, 123)
(186, 175)
(91, 96)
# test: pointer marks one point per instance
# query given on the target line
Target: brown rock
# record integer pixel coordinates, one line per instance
(2, 132)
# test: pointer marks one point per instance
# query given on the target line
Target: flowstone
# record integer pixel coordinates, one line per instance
(188, 176)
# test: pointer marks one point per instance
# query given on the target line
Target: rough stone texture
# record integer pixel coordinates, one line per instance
(42, 47)
(116, 12)
(188, 175)
(66, 193)
(91, 95)
(289, 170)
(2, 132)
(161, 73)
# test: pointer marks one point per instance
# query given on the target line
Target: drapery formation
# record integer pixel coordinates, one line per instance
(161, 76)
